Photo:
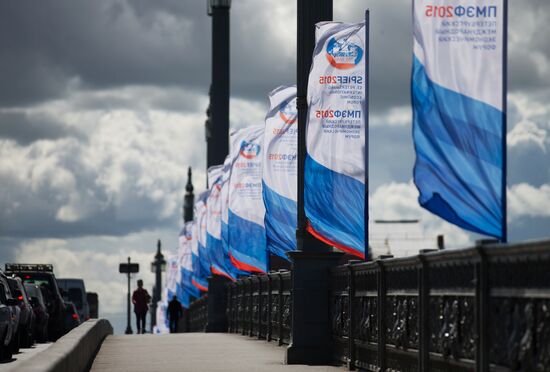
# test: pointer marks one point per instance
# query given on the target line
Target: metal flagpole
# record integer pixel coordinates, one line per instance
(367, 185)
(504, 120)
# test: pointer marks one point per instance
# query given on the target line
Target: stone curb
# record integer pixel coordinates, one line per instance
(73, 352)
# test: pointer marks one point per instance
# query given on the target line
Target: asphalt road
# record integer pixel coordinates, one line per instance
(209, 352)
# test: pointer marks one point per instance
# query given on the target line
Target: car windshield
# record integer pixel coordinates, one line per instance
(38, 279)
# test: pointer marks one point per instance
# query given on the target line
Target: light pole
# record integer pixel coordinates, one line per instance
(128, 268)
(158, 266)
(217, 124)
(311, 341)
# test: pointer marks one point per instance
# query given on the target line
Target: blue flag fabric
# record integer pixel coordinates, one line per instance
(458, 118)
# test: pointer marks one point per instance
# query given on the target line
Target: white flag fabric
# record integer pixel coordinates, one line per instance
(335, 169)
(280, 162)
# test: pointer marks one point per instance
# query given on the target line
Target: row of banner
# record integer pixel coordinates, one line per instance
(459, 126)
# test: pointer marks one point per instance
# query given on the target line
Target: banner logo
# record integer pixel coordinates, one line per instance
(343, 54)
(249, 150)
(288, 112)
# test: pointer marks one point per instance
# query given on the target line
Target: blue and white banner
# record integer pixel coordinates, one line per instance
(280, 163)
(219, 260)
(335, 165)
(185, 257)
(458, 94)
(172, 276)
(247, 245)
(201, 261)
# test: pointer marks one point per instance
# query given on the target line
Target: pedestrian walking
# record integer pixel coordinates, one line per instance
(175, 312)
(140, 299)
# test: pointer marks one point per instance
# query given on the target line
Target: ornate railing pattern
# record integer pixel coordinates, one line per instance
(483, 308)
(198, 314)
(259, 306)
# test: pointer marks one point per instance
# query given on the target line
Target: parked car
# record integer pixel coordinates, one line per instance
(75, 292)
(40, 309)
(72, 319)
(26, 318)
(93, 303)
(43, 276)
(7, 318)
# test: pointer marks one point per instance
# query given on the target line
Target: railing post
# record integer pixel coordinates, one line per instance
(482, 300)
(352, 315)
(381, 278)
(269, 298)
(423, 308)
(280, 308)
(251, 307)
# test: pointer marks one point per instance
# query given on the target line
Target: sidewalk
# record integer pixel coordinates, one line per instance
(194, 352)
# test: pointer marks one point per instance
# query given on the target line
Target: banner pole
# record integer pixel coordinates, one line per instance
(367, 185)
(504, 121)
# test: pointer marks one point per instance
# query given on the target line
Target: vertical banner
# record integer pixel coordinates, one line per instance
(247, 245)
(172, 276)
(219, 260)
(279, 174)
(185, 255)
(459, 107)
(335, 167)
(201, 261)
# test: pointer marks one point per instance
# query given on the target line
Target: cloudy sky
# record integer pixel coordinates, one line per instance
(102, 109)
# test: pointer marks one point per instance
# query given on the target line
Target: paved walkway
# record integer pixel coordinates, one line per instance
(196, 352)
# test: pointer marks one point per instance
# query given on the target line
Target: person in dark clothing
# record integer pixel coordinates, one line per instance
(175, 312)
(140, 299)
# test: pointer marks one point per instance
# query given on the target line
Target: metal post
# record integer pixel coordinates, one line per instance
(309, 13)
(128, 323)
(218, 142)
(311, 341)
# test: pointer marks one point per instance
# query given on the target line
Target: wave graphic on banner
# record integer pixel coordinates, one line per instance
(459, 122)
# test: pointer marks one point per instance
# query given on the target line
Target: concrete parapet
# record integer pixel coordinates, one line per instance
(73, 352)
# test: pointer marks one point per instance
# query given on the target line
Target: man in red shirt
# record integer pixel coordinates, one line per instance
(140, 299)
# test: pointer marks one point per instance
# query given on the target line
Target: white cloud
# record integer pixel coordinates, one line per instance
(526, 133)
(526, 200)
(98, 266)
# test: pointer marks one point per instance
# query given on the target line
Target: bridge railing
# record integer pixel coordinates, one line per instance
(198, 314)
(259, 306)
(478, 308)
(482, 308)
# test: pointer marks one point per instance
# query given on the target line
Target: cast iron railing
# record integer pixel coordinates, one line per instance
(259, 306)
(198, 314)
(483, 308)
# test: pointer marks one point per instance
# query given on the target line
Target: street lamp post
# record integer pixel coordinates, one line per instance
(217, 125)
(158, 266)
(128, 268)
(311, 341)
(217, 130)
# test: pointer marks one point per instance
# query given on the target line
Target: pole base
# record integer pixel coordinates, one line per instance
(217, 303)
(128, 331)
(308, 355)
(311, 341)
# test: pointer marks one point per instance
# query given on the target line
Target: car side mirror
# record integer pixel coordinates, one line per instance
(12, 302)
